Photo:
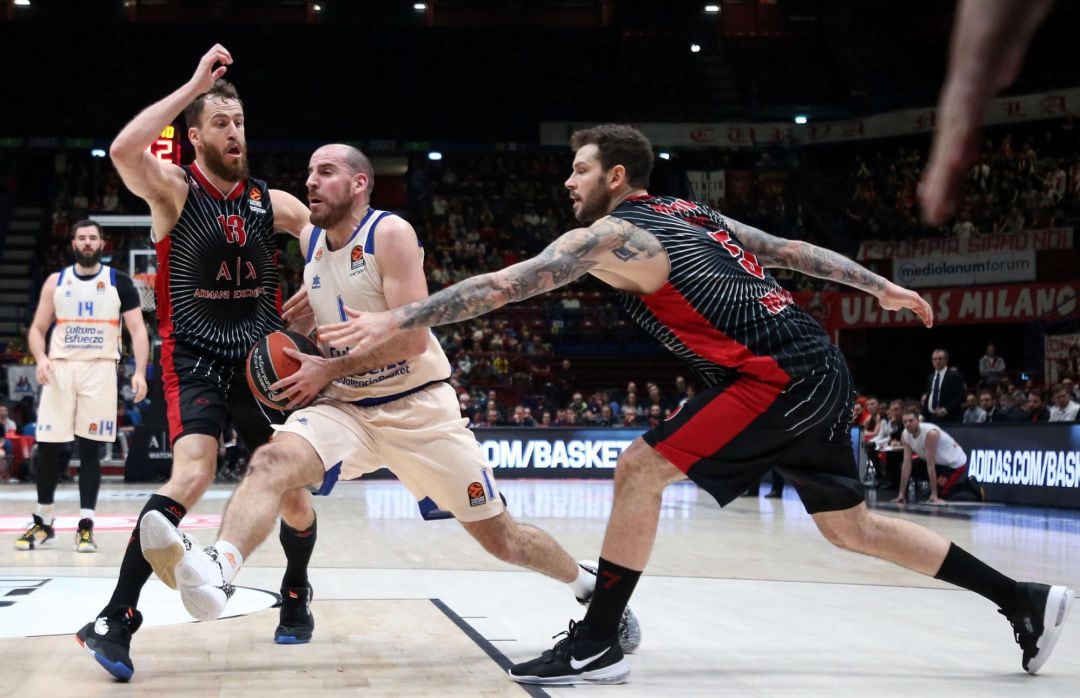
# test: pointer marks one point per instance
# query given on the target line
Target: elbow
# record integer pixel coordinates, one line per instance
(123, 153)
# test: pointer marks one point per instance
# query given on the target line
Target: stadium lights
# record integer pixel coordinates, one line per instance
(434, 155)
(317, 7)
(22, 3)
(695, 48)
(420, 6)
(95, 152)
(664, 155)
(800, 118)
(712, 9)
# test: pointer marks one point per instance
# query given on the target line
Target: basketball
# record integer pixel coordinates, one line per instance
(267, 363)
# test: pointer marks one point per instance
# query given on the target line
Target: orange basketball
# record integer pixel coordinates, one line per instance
(267, 363)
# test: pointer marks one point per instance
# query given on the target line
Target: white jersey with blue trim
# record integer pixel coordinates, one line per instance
(87, 316)
(350, 276)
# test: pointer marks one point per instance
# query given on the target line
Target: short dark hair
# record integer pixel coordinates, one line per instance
(222, 89)
(619, 145)
(87, 223)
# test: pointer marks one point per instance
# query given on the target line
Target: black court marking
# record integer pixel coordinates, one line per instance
(489, 649)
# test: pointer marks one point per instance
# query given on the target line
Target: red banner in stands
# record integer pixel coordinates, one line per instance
(936, 248)
(952, 306)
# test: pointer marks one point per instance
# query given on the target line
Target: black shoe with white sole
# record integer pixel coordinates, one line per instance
(575, 659)
(1040, 614)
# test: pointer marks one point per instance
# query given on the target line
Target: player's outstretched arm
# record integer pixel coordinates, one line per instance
(772, 251)
(988, 44)
(569, 257)
(144, 174)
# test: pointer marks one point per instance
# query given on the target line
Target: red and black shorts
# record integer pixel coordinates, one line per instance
(203, 392)
(727, 437)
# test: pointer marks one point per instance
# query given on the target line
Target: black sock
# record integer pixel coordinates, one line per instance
(298, 546)
(135, 570)
(965, 570)
(89, 472)
(614, 585)
(48, 471)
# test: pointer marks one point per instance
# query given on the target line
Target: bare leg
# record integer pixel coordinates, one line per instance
(640, 479)
(194, 462)
(524, 545)
(901, 542)
(283, 465)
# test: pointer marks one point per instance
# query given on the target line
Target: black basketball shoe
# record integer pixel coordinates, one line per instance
(108, 638)
(575, 659)
(295, 622)
(36, 535)
(1040, 613)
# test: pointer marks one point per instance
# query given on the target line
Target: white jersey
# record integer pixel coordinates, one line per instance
(948, 453)
(350, 276)
(87, 316)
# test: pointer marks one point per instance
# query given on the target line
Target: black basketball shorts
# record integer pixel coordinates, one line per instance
(203, 392)
(727, 437)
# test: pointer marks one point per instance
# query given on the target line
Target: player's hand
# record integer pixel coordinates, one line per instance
(955, 150)
(297, 312)
(305, 385)
(206, 72)
(43, 371)
(894, 297)
(138, 386)
(362, 332)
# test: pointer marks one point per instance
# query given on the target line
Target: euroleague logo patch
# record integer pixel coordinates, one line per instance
(477, 496)
(255, 197)
(356, 258)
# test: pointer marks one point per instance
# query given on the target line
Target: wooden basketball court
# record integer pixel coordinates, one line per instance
(748, 601)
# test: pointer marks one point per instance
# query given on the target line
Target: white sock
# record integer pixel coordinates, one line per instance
(86, 514)
(584, 584)
(45, 511)
(230, 558)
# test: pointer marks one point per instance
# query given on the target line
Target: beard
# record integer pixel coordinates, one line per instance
(89, 259)
(229, 170)
(332, 214)
(594, 207)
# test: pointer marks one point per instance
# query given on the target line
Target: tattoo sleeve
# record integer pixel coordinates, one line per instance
(569, 257)
(772, 251)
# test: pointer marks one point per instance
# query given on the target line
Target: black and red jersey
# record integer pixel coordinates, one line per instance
(217, 281)
(720, 311)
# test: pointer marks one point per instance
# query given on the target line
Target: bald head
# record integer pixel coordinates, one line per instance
(339, 183)
(354, 160)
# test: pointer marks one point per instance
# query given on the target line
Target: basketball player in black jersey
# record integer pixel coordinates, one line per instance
(778, 393)
(217, 294)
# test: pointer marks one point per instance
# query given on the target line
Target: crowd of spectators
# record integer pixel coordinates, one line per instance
(481, 212)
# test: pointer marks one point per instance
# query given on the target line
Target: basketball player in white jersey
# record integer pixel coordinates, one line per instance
(934, 445)
(86, 301)
(393, 406)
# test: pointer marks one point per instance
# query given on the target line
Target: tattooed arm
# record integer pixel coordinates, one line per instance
(772, 251)
(607, 241)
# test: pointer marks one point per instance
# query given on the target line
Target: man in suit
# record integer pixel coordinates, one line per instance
(944, 398)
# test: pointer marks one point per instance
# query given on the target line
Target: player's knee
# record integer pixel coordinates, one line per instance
(296, 508)
(193, 480)
(269, 465)
(637, 467)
